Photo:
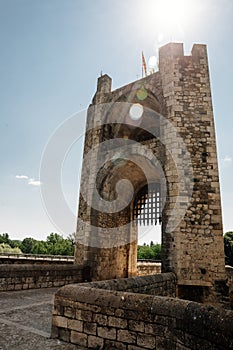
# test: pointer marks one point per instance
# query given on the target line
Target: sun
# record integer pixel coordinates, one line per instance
(169, 18)
(172, 11)
(172, 16)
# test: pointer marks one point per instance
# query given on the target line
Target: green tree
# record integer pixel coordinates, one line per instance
(27, 245)
(6, 248)
(57, 245)
(15, 243)
(149, 252)
(228, 247)
(39, 247)
(4, 238)
(156, 249)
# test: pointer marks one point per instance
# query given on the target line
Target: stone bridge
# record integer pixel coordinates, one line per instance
(25, 321)
(12, 258)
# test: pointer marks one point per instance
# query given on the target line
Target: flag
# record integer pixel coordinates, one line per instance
(144, 65)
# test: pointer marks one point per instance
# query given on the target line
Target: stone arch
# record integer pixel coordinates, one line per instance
(116, 125)
(119, 123)
(145, 132)
(107, 180)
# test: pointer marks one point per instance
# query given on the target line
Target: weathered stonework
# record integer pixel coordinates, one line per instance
(192, 247)
(22, 276)
(148, 268)
(129, 314)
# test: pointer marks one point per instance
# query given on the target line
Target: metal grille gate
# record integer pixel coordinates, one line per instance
(147, 205)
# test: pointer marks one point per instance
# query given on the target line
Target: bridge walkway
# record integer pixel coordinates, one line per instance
(25, 321)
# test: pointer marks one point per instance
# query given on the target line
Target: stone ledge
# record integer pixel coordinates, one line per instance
(19, 277)
(162, 322)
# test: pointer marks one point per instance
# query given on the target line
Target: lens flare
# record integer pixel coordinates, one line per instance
(142, 94)
(152, 62)
(136, 111)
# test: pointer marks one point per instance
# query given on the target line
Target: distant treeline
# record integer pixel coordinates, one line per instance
(55, 244)
(152, 251)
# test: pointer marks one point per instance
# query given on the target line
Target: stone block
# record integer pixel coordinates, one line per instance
(126, 336)
(75, 325)
(93, 342)
(146, 341)
(117, 322)
(114, 345)
(86, 315)
(64, 334)
(56, 284)
(119, 313)
(137, 326)
(106, 332)
(155, 329)
(18, 287)
(58, 310)
(29, 280)
(100, 319)
(78, 338)
(59, 321)
(69, 312)
(78, 314)
(89, 328)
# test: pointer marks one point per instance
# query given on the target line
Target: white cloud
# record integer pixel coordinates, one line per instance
(34, 182)
(22, 177)
(30, 181)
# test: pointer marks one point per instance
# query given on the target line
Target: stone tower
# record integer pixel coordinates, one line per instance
(150, 157)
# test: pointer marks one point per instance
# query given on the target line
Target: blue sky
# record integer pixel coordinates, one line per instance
(52, 52)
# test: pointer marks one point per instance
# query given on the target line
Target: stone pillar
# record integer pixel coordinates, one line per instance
(194, 249)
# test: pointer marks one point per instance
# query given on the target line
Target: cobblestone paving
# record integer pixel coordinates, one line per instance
(25, 321)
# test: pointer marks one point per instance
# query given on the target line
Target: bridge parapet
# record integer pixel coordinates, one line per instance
(12, 258)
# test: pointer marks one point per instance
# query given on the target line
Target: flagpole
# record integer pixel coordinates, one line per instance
(142, 66)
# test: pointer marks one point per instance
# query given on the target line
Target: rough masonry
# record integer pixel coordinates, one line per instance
(131, 314)
(170, 149)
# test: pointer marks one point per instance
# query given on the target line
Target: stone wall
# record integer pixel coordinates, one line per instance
(148, 268)
(6, 258)
(96, 316)
(163, 284)
(15, 274)
(18, 277)
(143, 267)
